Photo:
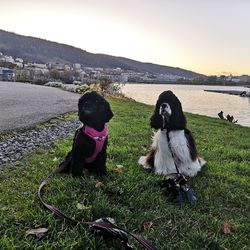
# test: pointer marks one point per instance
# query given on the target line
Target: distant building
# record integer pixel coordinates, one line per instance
(235, 79)
(76, 66)
(99, 69)
(37, 65)
(9, 59)
(124, 77)
(88, 69)
(57, 66)
(244, 78)
(7, 74)
(19, 60)
(19, 63)
(67, 67)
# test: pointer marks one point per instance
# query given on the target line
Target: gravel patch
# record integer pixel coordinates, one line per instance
(13, 148)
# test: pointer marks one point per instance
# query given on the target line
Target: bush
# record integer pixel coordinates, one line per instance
(39, 81)
(54, 84)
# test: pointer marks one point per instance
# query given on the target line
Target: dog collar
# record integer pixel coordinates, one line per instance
(91, 132)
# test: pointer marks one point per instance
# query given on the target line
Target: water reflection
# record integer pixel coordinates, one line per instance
(195, 100)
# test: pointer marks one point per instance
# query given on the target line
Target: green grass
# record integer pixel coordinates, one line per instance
(133, 197)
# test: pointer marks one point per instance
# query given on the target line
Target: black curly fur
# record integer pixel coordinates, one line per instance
(94, 111)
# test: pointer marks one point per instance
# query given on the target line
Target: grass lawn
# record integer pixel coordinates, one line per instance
(132, 196)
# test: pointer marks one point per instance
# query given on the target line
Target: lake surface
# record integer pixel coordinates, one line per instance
(195, 100)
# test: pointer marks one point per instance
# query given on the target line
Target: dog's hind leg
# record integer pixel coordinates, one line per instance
(147, 161)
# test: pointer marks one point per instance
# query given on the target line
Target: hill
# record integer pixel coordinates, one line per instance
(38, 50)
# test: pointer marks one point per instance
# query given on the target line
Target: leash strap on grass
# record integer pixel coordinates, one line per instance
(94, 224)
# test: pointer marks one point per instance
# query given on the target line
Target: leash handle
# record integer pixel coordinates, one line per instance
(137, 237)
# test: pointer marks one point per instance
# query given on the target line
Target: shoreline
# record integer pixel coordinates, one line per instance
(230, 92)
(203, 100)
(188, 83)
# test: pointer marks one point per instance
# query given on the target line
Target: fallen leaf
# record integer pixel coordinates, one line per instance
(99, 184)
(81, 206)
(169, 222)
(55, 159)
(226, 132)
(144, 147)
(226, 228)
(147, 225)
(119, 169)
(38, 232)
(205, 140)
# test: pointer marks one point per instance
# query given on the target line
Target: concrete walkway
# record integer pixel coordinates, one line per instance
(24, 105)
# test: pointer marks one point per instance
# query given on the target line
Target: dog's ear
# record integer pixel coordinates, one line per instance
(191, 144)
(156, 120)
(177, 119)
(82, 117)
(108, 113)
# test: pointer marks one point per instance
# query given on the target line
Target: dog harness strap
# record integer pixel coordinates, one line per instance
(99, 138)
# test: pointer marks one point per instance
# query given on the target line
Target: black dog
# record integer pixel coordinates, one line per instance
(90, 141)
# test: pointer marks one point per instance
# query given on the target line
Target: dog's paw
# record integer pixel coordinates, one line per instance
(142, 161)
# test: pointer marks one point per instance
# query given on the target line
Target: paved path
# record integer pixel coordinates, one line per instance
(24, 105)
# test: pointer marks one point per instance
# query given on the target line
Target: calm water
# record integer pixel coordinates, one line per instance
(195, 100)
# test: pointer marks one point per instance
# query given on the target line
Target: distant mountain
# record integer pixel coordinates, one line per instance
(32, 49)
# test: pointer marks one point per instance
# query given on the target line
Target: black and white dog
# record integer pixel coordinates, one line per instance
(90, 141)
(173, 144)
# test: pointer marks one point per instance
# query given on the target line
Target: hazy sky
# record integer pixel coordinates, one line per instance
(206, 36)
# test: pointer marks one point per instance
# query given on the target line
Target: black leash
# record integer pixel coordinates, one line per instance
(178, 183)
(103, 225)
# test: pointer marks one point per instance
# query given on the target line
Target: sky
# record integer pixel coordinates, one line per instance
(211, 37)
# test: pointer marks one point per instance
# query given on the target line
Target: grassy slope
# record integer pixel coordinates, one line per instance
(133, 197)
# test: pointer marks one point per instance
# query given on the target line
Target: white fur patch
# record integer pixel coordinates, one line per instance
(163, 159)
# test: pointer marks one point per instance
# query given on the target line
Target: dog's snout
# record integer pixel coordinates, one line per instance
(165, 109)
(87, 111)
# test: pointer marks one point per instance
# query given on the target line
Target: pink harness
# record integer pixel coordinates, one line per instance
(99, 138)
